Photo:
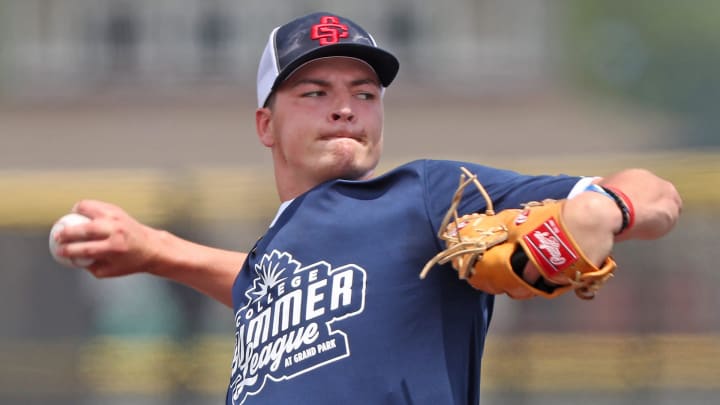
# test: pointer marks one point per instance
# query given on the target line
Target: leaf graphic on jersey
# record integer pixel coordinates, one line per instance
(271, 271)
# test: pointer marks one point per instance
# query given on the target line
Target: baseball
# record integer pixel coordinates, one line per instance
(68, 220)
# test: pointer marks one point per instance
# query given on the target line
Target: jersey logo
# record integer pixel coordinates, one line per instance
(329, 31)
(287, 326)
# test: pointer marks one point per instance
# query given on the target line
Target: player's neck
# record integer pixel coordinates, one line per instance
(290, 186)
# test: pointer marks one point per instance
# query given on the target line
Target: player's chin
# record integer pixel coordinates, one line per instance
(349, 167)
(351, 151)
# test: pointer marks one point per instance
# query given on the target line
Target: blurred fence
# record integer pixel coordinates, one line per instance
(75, 47)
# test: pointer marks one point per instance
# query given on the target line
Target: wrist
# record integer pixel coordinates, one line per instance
(625, 205)
(621, 201)
(163, 257)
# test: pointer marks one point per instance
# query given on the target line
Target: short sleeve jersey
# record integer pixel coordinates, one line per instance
(329, 307)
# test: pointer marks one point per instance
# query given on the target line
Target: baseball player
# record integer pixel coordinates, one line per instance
(329, 306)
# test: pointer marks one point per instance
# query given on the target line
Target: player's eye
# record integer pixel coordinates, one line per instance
(365, 96)
(314, 93)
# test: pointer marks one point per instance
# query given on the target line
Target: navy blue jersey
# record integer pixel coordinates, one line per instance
(329, 308)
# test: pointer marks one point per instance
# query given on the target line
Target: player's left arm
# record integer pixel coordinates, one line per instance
(649, 208)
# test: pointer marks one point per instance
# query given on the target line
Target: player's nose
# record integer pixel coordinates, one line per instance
(344, 113)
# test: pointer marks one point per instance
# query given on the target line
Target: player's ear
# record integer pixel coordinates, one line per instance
(263, 125)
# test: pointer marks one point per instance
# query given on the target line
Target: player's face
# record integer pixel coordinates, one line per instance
(326, 122)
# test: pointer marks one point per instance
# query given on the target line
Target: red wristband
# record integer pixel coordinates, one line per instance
(625, 205)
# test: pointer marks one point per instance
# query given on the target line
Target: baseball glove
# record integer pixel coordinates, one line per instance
(490, 250)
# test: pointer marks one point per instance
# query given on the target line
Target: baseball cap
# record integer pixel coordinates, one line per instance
(314, 36)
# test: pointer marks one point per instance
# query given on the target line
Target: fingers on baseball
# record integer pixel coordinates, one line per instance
(93, 249)
(96, 209)
(97, 229)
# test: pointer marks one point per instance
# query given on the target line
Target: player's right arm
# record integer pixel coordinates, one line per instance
(120, 245)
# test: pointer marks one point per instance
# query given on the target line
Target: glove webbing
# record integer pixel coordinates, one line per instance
(461, 247)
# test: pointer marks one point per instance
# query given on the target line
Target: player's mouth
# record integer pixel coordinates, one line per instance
(358, 137)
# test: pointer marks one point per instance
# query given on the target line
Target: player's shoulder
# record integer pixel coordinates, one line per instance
(452, 168)
(443, 175)
(418, 170)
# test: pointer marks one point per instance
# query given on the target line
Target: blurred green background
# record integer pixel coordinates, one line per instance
(149, 105)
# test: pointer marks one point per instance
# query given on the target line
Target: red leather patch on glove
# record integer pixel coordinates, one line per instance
(551, 248)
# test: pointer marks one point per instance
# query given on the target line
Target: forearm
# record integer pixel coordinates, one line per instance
(208, 270)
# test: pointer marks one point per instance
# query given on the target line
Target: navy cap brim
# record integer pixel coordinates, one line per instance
(384, 63)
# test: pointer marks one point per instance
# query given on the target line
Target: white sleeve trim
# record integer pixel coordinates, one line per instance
(581, 186)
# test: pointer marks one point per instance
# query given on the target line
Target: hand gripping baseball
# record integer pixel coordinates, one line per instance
(490, 250)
